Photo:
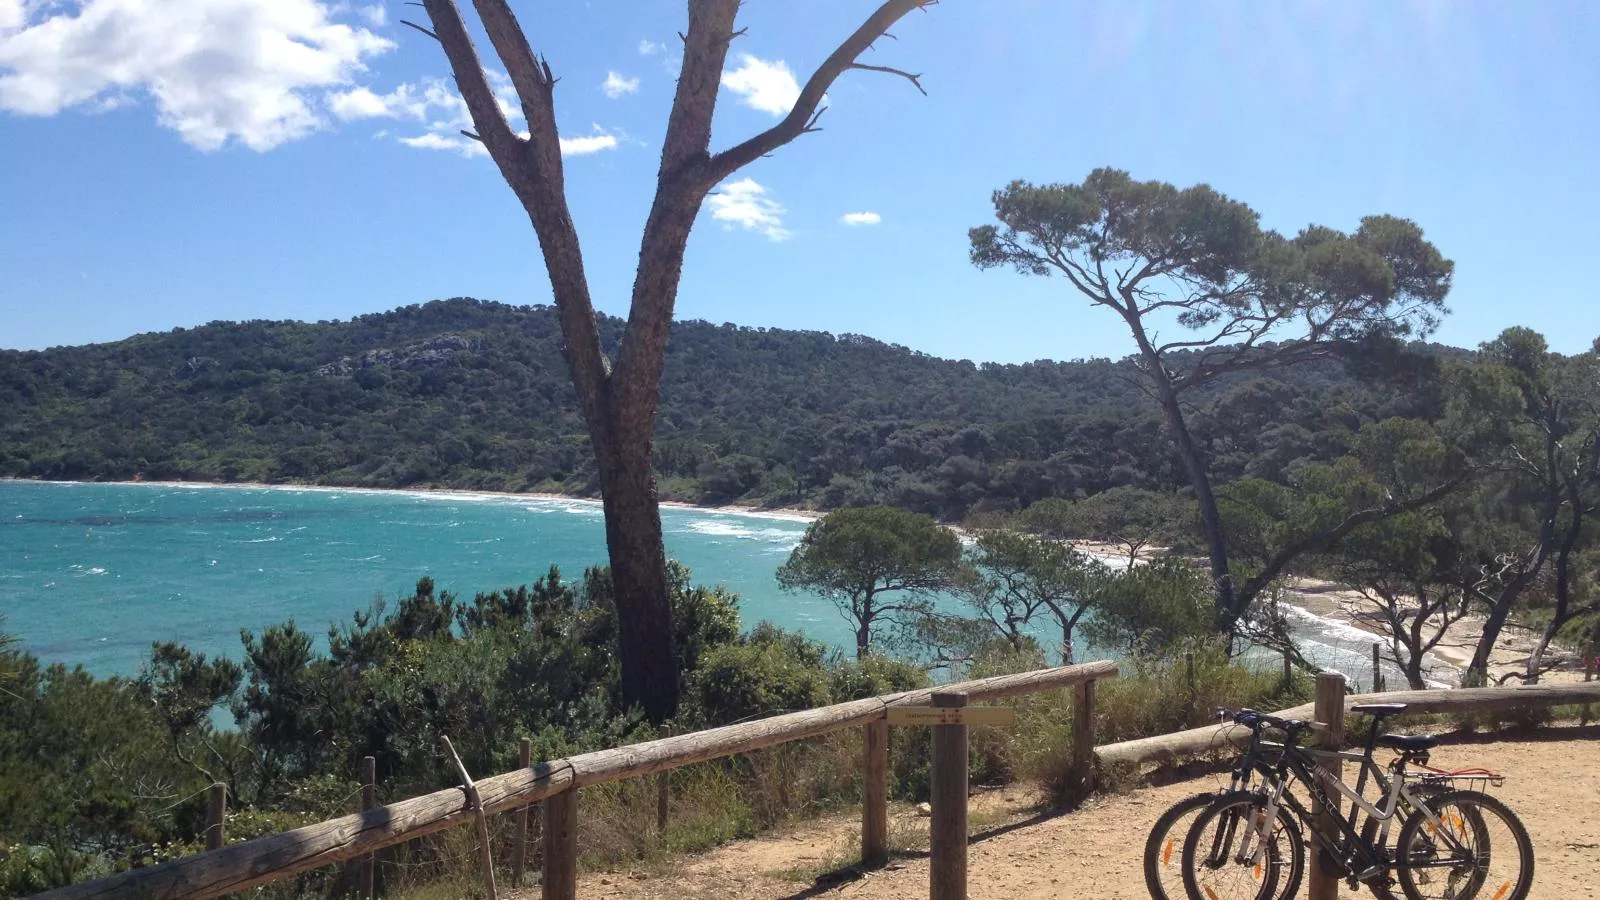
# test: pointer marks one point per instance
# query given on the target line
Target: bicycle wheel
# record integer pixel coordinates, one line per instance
(1220, 854)
(1163, 849)
(1448, 856)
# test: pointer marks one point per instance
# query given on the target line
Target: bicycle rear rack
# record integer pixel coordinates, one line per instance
(1475, 779)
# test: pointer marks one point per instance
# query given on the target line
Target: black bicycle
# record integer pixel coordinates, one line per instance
(1163, 849)
(1453, 844)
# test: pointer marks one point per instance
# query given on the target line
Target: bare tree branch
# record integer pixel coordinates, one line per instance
(793, 125)
(451, 32)
(914, 79)
(532, 79)
(419, 28)
(535, 177)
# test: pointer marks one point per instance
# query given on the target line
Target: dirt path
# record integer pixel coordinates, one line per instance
(1094, 853)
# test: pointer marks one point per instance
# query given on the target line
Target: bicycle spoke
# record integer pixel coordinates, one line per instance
(1470, 848)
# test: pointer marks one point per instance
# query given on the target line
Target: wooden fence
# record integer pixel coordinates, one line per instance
(1170, 747)
(274, 857)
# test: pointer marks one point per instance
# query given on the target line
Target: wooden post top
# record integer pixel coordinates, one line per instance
(949, 698)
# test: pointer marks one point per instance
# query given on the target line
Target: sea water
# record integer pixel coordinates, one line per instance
(93, 574)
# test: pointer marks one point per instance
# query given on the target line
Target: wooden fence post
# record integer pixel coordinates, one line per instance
(1329, 712)
(369, 800)
(561, 846)
(1083, 732)
(947, 874)
(216, 815)
(1192, 695)
(875, 802)
(663, 793)
(519, 847)
(1591, 666)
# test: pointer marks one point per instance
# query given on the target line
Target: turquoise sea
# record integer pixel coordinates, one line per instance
(93, 574)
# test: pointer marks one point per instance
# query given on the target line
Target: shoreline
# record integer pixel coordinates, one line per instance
(1344, 606)
(794, 514)
(1335, 606)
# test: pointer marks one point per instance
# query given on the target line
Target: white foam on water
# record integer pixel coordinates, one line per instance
(1331, 628)
(265, 540)
(784, 537)
(586, 508)
(776, 515)
(721, 529)
(1331, 653)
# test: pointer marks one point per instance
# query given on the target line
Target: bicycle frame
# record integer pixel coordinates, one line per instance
(1300, 763)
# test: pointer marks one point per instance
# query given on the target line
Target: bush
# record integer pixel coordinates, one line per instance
(1151, 696)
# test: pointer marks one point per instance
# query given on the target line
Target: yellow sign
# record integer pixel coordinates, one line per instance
(952, 715)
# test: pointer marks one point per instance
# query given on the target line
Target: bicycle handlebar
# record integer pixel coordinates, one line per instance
(1255, 721)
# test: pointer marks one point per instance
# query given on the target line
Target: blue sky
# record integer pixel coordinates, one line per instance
(177, 163)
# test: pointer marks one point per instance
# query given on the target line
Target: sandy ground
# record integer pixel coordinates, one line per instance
(1094, 853)
(1341, 603)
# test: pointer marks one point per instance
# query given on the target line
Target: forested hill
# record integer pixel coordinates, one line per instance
(469, 394)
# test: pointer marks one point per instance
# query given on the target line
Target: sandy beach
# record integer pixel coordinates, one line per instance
(782, 512)
(1343, 604)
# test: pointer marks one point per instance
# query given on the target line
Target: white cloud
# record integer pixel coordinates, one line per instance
(435, 141)
(574, 146)
(251, 71)
(615, 85)
(767, 86)
(861, 218)
(593, 143)
(746, 204)
(432, 102)
(376, 15)
(650, 48)
(11, 15)
(358, 103)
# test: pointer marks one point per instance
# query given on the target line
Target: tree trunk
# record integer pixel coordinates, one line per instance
(639, 579)
(1066, 646)
(1210, 517)
(619, 403)
(863, 639)
(1563, 587)
(1500, 610)
(1413, 670)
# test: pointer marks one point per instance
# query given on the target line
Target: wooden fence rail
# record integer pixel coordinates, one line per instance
(1170, 747)
(279, 856)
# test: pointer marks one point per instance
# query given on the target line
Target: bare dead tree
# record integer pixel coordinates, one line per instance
(1415, 619)
(619, 397)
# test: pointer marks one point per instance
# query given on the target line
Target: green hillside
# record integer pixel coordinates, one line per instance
(469, 394)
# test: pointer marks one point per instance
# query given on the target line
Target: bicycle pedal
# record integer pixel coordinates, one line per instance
(1370, 875)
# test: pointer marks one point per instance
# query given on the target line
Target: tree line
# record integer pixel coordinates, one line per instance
(756, 416)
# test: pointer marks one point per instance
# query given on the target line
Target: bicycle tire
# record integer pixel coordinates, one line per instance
(1427, 793)
(1163, 849)
(1472, 804)
(1285, 868)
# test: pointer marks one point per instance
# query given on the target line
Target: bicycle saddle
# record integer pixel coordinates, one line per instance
(1379, 709)
(1408, 743)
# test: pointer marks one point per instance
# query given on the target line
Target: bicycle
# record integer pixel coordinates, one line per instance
(1163, 849)
(1449, 842)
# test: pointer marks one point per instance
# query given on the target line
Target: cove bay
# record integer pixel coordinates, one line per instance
(92, 574)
